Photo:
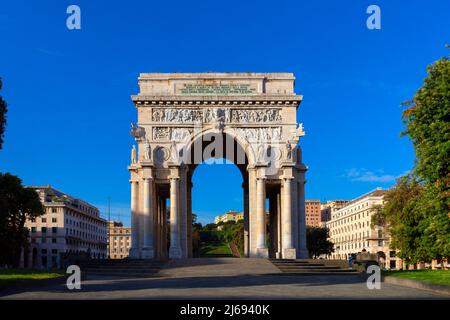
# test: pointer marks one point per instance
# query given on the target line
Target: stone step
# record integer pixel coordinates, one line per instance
(299, 264)
(123, 274)
(121, 266)
(316, 270)
(287, 261)
(303, 267)
(130, 262)
(148, 270)
(287, 267)
(314, 273)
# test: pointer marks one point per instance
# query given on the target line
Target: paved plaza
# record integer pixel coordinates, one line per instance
(225, 278)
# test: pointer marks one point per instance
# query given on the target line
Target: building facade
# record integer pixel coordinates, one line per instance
(351, 230)
(329, 208)
(119, 240)
(229, 216)
(69, 226)
(312, 211)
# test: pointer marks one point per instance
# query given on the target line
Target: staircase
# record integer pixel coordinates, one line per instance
(304, 267)
(122, 268)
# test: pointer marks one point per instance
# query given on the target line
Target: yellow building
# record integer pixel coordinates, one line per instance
(229, 216)
(119, 240)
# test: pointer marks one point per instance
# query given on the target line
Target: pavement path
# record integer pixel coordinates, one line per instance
(225, 278)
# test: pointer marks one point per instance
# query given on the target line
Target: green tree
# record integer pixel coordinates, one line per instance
(417, 211)
(427, 125)
(317, 241)
(17, 204)
(3, 110)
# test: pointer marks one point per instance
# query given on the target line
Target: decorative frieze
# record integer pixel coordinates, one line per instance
(254, 115)
(260, 134)
(177, 115)
(173, 134)
(208, 115)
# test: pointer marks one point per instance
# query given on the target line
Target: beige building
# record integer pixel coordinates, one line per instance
(229, 216)
(119, 242)
(351, 231)
(69, 226)
(328, 208)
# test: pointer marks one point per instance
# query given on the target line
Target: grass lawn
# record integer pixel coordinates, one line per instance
(12, 276)
(431, 276)
(216, 249)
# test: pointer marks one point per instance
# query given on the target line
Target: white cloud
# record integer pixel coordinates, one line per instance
(364, 175)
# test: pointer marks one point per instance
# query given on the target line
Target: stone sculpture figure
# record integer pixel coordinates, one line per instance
(288, 149)
(147, 150)
(133, 154)
(137, 132)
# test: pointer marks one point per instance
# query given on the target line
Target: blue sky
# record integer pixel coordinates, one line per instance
(69, 91)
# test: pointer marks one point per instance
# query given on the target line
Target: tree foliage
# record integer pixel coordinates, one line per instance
(17, 204)
(3, 110)
(417, 211)
(317, 241)
(427, 124)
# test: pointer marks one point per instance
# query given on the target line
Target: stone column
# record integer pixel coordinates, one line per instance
(303, 251)
(182, 207)
(246, 220)
(189, 217)
(164, 227)
(272, 225)
(174, 250)
(148, 250)
(261, 247)
(134, 250)
(287, 242)
(278, 254)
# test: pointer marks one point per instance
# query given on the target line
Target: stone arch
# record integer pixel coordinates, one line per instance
(257, 112)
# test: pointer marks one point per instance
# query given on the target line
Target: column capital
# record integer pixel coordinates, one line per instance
(134, 180)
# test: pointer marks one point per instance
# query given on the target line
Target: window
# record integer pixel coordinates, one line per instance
(44, 220)
(54, 251)
(53, 240)
(44, 251)
(33, 229)
(392, 254)
(54, 220)
(380, 243)
(54, 229)
(44, 240)
(44, 229)
(54, 210)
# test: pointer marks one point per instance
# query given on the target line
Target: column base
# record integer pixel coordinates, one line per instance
(278, 255)
(302, 254)
(290, 253)
(148, 253)
(175, 253)
(262, 253)
(134, 253)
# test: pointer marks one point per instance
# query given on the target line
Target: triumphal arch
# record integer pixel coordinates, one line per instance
(185, 119)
